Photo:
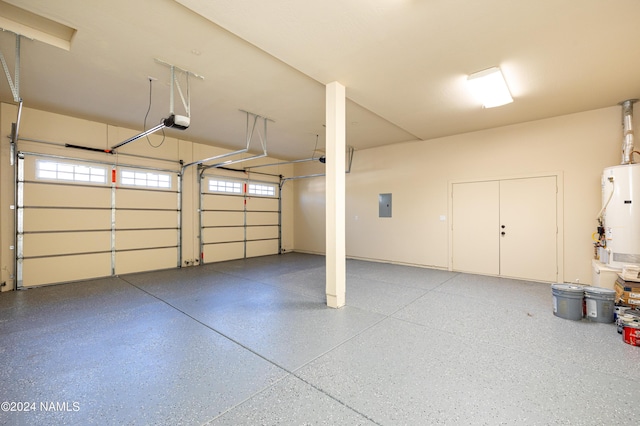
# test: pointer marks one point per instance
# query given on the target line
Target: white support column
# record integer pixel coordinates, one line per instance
(335, 195)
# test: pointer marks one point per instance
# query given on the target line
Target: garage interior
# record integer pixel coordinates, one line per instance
(247, 213)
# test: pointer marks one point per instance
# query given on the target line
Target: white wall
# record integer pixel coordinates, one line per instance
(418, 175)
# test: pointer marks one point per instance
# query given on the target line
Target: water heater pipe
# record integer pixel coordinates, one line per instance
(627, 131)
(604, 206)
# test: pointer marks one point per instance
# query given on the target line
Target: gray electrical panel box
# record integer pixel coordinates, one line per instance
(384, 205)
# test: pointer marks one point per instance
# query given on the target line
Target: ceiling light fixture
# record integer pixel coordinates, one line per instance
(490, 87)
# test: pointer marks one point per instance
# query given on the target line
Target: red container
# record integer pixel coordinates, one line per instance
(631, 335)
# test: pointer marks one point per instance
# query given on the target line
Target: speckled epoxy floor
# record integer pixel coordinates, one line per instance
(251, 342)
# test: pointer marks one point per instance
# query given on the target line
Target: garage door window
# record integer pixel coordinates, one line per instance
(263, 190)
(70, 172)
(145, 179)
(225, 186)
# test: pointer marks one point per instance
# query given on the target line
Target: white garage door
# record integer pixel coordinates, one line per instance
(239, 218)
(78, 220)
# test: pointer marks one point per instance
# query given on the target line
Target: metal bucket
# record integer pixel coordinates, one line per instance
(599, 304)
(567, 301)
(631, 333)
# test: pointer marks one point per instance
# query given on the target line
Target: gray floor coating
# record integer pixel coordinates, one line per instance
(250, 342)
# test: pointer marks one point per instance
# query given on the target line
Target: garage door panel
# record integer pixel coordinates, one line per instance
(217, 235)
(132, 219)
(146, 260)
(66, 243)
(136, 239)
(262, 232)
(262, 248)
(48, 195)
(49, 270)
(268, 204)
(222, 202)
(222, 252)
(66, 219)
(260, 218)
(222, 219)
(131, 199)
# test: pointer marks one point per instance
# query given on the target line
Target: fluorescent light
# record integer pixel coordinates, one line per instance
(490, 88)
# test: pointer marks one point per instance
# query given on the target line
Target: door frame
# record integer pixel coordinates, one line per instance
(559, 175)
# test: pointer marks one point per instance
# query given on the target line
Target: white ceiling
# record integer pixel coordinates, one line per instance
(404, 63)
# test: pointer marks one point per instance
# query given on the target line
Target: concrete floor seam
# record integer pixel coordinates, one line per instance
(289, 373)
(210, 328)
(249, 398)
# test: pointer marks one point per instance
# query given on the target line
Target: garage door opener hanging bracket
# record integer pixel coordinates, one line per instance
(252, 121)
(180, 122)
(14, 85)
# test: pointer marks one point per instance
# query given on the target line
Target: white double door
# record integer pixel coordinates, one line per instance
(506, 228)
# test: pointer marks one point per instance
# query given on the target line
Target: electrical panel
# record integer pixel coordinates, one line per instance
(384, 205)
